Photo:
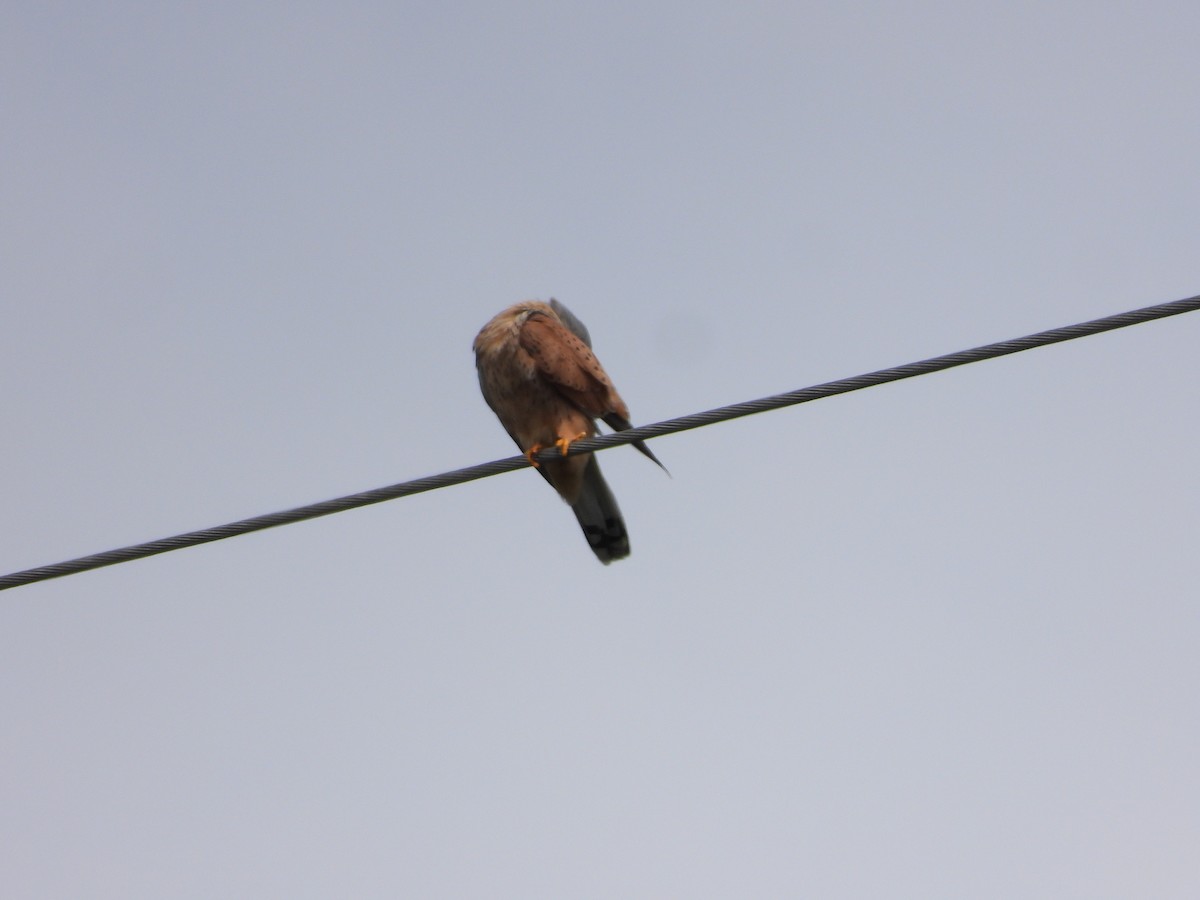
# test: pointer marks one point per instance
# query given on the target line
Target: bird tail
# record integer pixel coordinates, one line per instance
(600, 517)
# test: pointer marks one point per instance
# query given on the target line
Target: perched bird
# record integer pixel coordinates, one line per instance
(539, 375)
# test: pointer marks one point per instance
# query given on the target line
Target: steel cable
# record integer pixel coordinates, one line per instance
(644, 432)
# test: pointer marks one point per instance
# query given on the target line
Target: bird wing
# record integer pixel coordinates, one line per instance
(571, 321)
(566, 362)
(562, 350)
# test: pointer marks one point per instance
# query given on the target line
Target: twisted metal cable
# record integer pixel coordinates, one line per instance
(644, 432)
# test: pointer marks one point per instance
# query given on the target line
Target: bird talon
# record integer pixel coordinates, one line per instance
(531, 453)
(564, 443)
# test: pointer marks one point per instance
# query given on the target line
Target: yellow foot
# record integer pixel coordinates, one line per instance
(564, 443)
(531, 453)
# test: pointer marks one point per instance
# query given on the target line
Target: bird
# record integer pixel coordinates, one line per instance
(539, 375)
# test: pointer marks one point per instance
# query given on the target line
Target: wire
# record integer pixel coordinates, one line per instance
(605, 442)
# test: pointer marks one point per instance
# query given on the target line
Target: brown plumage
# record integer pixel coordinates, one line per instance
(539, 375)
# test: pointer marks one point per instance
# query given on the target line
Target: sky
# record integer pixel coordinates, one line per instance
(935, 639)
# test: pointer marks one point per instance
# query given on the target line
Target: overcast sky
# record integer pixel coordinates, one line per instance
(936, 639)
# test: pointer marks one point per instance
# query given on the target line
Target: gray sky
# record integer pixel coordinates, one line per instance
(935, 639)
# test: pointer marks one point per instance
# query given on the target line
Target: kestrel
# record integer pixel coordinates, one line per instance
(540, 377)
